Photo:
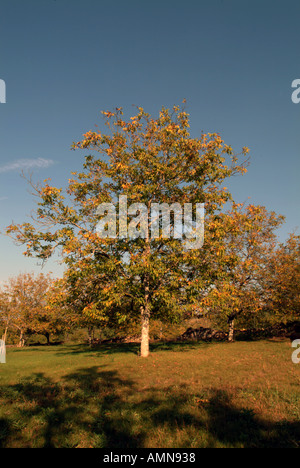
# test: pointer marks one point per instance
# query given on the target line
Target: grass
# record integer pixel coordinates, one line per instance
(244, 394)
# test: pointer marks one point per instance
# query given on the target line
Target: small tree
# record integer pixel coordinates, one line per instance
(78, 296)
(246, 241)
(26, 306)
(7, 314)
(282, 282)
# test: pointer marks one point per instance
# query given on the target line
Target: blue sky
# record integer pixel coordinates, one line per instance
(63, 61)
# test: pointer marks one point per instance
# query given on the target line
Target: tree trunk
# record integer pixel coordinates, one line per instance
(47, 335)
(21, 340)
(5, 334)
(145, 316)
(91, 335)
(145, 309)
(231, 329)
(161, 331)
(145, 332)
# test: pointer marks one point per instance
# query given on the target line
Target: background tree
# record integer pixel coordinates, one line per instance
(246, 242)
(150, 161)
(79, 295)
(7, 314)
(26, 306)
(282, 282)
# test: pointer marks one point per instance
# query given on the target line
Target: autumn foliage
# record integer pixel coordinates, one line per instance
(24, 307)
(113, 281)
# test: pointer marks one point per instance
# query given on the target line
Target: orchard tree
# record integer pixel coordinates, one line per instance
(148, 160)
(7, 313)
(26, 306)
(282, 281)
(79, 296)
(246, 242)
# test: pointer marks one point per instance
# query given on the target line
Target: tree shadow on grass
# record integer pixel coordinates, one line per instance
(113, 348)
(179, 345)
(131, 348)
(225, 424)
(94, 407)
(241, 427)
(5, 431)
(75, 412)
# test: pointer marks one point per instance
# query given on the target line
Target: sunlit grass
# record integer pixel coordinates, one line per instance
(244, 394)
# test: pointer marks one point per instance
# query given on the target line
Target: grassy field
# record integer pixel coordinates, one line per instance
(244, 394)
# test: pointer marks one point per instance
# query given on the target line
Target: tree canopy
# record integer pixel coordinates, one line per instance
(150, 160)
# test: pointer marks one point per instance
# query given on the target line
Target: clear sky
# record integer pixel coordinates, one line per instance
(63, 61)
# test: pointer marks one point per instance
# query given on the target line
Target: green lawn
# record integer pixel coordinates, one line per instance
(244, 394)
